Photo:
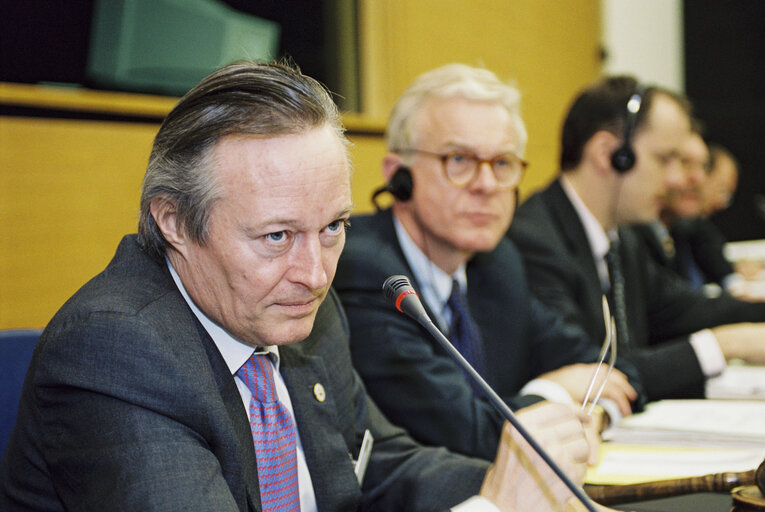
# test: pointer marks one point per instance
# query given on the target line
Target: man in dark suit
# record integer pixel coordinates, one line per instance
(456, 139)
(620, 152)
(138, 394)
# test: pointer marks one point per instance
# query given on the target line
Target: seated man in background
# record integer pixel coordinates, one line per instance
(682, 239)
(721, 182)
(621, 150)
(207, 367)
(717, 194)
(456, 140)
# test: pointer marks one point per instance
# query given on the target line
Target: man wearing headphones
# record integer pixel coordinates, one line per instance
(621, 151)
(456, 141)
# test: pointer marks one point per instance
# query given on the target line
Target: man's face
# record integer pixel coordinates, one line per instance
(275, 235)
(721, 185)
(686, 200)
(658, 165)
(470, 218)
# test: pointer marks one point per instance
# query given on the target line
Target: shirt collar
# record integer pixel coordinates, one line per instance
(596, 235)
(435, 284)
(235, 353)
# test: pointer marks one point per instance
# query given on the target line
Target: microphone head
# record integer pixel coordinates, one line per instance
(395, 286)
(400, 292)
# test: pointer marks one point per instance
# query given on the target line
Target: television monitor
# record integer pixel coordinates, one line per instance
(167, 46)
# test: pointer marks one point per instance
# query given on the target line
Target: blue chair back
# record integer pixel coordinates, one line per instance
(16, 347)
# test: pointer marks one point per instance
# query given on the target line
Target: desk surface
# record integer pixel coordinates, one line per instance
(698, 502)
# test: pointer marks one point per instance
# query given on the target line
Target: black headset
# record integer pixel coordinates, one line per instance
(400, 186)
(623, 159)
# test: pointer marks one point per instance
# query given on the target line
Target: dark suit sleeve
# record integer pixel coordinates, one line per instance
(112, 415)
(403, 475)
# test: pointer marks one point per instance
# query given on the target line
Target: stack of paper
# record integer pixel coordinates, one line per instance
(629, 464)
(681, 438)
(695, 422)
(738, 382)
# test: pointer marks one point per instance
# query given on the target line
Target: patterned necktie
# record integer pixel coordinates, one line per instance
(463, 330)
(273, 434)
(614, 261)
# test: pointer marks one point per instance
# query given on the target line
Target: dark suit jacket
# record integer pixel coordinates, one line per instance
(696, 238)
(128, 405)
(662, 309)
(411, 377)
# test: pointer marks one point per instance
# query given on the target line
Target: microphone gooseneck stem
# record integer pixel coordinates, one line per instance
(502, 407)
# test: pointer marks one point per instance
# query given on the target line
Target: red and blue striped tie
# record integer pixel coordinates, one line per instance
(273, 434)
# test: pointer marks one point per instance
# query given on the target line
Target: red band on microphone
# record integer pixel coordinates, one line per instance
(401, 297)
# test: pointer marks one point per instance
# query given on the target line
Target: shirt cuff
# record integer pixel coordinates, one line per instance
(476, 504)
(547, 389)
(708, 352)
(612, 410)
(733, 281)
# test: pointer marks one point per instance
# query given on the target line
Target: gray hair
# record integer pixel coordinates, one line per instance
(452, 80)
(245, 98)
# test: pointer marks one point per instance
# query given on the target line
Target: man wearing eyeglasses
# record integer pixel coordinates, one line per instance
(456, 141)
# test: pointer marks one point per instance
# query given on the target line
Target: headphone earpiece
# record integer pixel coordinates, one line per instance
(400, 186)
(623, 159)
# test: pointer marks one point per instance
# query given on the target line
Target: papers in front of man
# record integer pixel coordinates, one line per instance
(705, 423)
(738, 382)
(682, 438)
(630, 464)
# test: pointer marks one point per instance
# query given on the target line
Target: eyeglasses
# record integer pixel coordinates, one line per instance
(608, 342)
(461, 167)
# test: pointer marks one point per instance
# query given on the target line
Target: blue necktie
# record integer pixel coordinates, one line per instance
(463, 331)
(273, 434)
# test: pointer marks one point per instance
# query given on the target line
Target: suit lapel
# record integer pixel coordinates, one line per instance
(242, 442)
(575, 238)
(319, 425)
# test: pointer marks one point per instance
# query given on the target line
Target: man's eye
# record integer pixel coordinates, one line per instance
(502, 162)
(337, 226)
(459, 158)
(278, 236)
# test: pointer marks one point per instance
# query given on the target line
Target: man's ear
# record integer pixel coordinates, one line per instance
(390, 164)
(599, 149)
(165, 214)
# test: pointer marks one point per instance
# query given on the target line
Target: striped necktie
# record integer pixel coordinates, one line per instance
(273, 434)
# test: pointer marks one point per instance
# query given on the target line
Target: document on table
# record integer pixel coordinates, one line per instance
(680, 438)
(628, 464)
(738, 382)
(695, 422)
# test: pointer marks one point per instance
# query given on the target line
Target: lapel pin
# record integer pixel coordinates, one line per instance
(319, 393)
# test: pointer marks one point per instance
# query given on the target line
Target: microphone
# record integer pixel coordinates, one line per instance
(400, 292)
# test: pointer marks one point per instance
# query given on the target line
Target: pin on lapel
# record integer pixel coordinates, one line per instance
(318, 392)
